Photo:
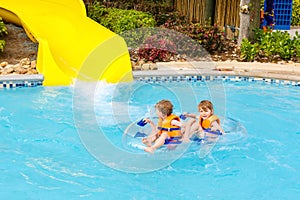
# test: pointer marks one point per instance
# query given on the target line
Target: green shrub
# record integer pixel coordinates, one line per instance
(161, 10)
(278, 45)
(2, 45)
(3, 31)
(118, 20)
(296, 46)
(271, 46)
(134, 38)
(296, 13)
(249, 51)
(209, 37)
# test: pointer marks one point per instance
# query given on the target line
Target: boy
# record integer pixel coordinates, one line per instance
(167, 130)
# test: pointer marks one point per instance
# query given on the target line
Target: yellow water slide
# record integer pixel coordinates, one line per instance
(71, 45)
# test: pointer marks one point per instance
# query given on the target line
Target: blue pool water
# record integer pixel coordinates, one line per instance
(47, 151)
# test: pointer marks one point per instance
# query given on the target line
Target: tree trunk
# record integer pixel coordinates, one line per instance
(209, 11)
(254, 17)
(244, 23)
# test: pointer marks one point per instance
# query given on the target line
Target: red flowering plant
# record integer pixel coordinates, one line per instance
(157, 48)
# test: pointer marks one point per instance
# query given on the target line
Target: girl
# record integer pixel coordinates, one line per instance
(209, 124)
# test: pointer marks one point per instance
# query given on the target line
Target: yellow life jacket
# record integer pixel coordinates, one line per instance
(205, 124)
(166, 126)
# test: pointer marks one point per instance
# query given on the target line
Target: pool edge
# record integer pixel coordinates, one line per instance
(21, 80)
(190, 71)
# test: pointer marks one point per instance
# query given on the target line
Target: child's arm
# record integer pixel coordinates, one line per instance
(215, 126)
(200, 129)
(191, 115)
(153, 126)
(153, 135)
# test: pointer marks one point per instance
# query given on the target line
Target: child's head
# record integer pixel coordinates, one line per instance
(165, 107)
(206, 105)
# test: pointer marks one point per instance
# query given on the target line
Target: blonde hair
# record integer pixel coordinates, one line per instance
(165, 107)
(205, 105)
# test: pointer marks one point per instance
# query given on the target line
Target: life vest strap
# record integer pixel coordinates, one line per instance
(217, 132)
(168, 129)
(173, 140)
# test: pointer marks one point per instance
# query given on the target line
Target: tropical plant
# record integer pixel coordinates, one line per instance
(271, 46)
(249, 51)
(3, 31)
(209, 37)
(157, 48)
(296, 13)
(118, 20)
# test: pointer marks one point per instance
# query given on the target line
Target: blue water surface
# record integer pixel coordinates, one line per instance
(43, 157)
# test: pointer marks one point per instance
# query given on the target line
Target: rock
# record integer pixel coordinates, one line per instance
(281, 62)
(33, 64)
(25, 61)
(20, 69)
(16, 66)
(136, 68)
(8, 66)
(32, 71)
(26, 66)
(8, 70)
(3, 64)
(153, 66)
(133, 63)
(145, 66)
(140, 63)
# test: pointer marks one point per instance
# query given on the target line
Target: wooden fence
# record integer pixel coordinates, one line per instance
(222, 12)
(193, 10)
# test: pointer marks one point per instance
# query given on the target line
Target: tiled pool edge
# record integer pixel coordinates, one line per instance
(288, 74)
(185, 74)
(195, 78)
(13, 81)
(169, 74)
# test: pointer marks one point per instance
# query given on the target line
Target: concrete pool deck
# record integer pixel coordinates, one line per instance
(284, 71)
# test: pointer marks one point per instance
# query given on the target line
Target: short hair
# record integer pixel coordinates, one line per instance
(205, 105)
(165, 107)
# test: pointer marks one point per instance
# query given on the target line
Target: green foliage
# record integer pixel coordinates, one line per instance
(296, 13)
(271, 46)
(296, 46)
(118, 20)
(2, 45)
(161, 10)
(134, 38)
(249, 51)
(209, 37)
(121, 21)
(262, 4)
(3, 31)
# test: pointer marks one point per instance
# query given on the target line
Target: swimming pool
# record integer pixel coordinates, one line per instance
(42, 155)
